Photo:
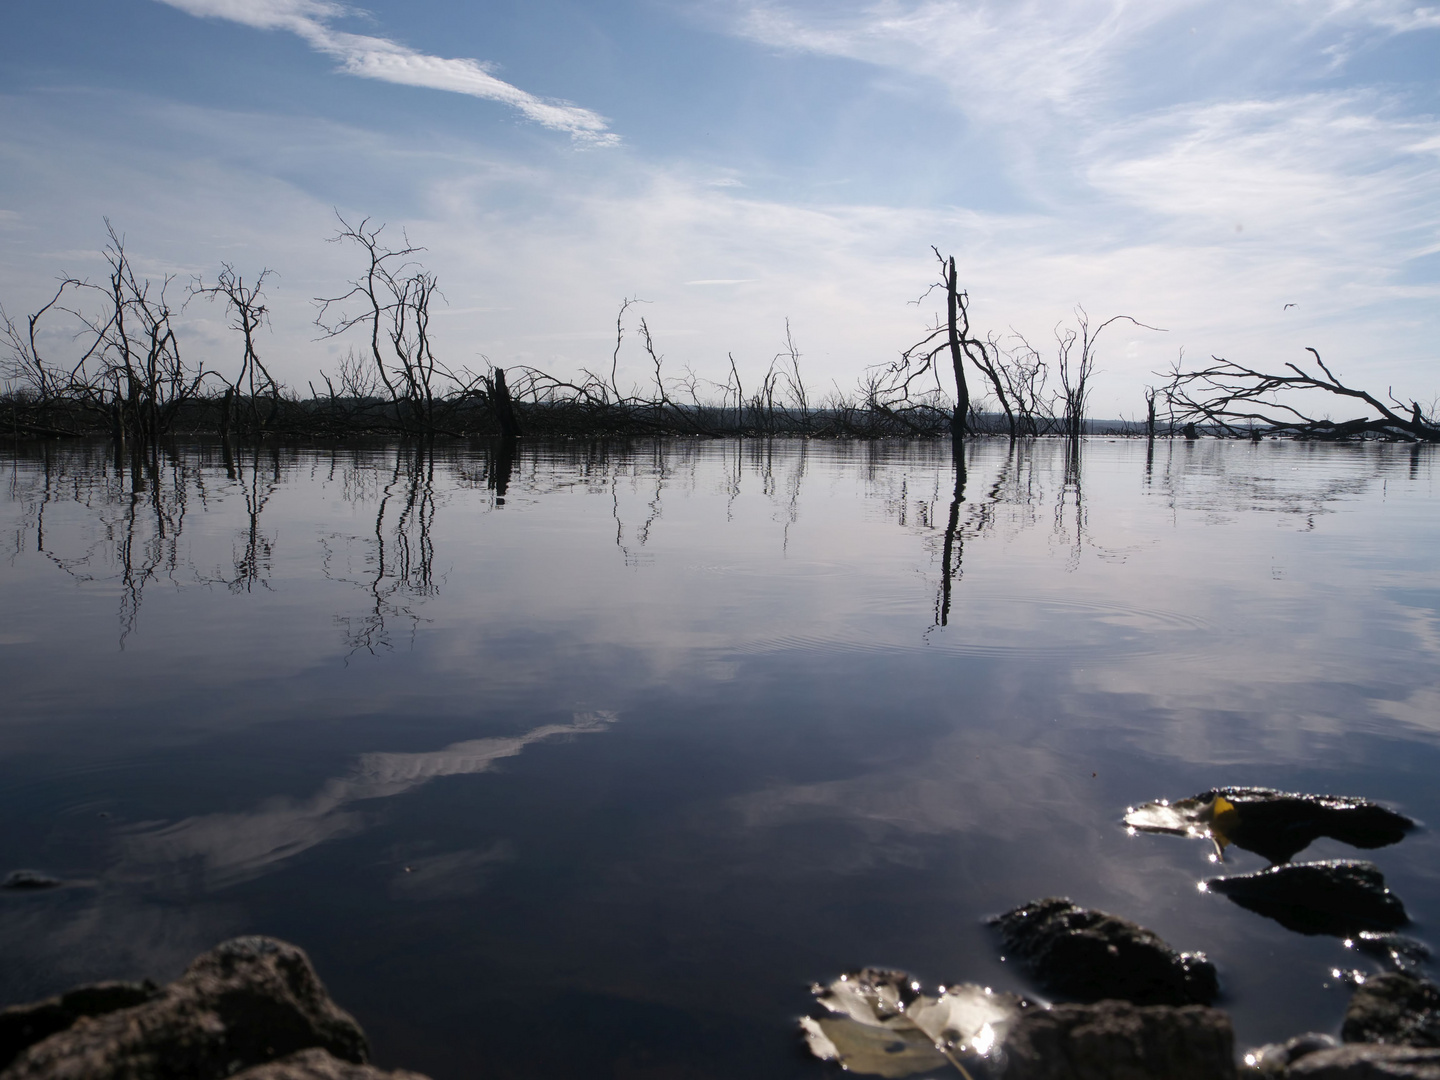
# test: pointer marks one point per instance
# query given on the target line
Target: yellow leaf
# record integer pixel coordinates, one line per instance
(1224, 816)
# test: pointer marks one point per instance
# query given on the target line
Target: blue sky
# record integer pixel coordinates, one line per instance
(737, 163)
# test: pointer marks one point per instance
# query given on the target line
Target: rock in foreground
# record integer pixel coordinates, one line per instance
(246, 1003)
(1274, 1058)
(1367, 1061)
(26, 1025)
(318, 1065)
(1395, 1007)
(1121, 1042)
(1086, 955)
(1339, 896)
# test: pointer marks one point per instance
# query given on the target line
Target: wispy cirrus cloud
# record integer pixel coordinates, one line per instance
(997, 58)
(1396, 16)
(1003, 59)
(388, 61)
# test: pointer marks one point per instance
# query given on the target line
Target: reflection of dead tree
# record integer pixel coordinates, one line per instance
(980, 518)
(952, 549)
(253, 559)
(1072, 498)
(139, 507)
(634, 555)
(402, 554)
(1233, 399)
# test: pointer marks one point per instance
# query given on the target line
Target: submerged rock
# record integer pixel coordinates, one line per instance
(25, 1025)
(1400, 952)
(1368, 1061)
(1274, 824)
(1086, 955)
(1395, 1007)
(27, 880)
(1121, 1041)
(248, 1001)
(1339, 896)
(318, 1065)
(1274, 1058)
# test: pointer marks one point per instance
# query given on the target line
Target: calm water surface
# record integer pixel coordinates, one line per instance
(589, 769)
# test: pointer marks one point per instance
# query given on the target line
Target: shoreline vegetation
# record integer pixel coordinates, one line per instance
(105, 358)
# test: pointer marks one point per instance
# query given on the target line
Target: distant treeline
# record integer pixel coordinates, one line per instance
(121, 371)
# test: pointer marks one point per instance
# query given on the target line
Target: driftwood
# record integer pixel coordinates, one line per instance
(1235, 400)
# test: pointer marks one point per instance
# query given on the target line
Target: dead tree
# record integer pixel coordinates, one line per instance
(1076, 366)
(1233, 399)
(503, 407)
(1025, 375)
(128, 368)
(245, 304)
(390, 302)
(893, 391)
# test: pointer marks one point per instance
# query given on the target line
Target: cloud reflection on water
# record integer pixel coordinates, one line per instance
(216, 850)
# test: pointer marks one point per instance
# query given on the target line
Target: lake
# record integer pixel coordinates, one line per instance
(589, 761)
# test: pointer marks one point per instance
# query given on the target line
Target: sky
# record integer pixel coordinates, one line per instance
(1249, 179)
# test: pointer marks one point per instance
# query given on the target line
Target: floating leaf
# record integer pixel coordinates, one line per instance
(886, 1027)
(870, 995)
(870, 1049)
(1275, 824)
(967, 1018)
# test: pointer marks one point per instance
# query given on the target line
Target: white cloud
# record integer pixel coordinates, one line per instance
(385, 60)
(1341, 167)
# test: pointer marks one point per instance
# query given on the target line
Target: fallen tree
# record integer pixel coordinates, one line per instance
(1239, 401)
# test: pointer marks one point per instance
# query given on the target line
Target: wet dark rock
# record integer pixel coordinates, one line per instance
(318, 1065)
(1400, 952)
(1395, 1007)
(25, 1025)
(1275, 824)
(26, 880)
(1280, 824)
(1368, 1061)
(1119, 1041)
(248, 1001)
(1086, 955)
(1339, 896)
(1274, 1058)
